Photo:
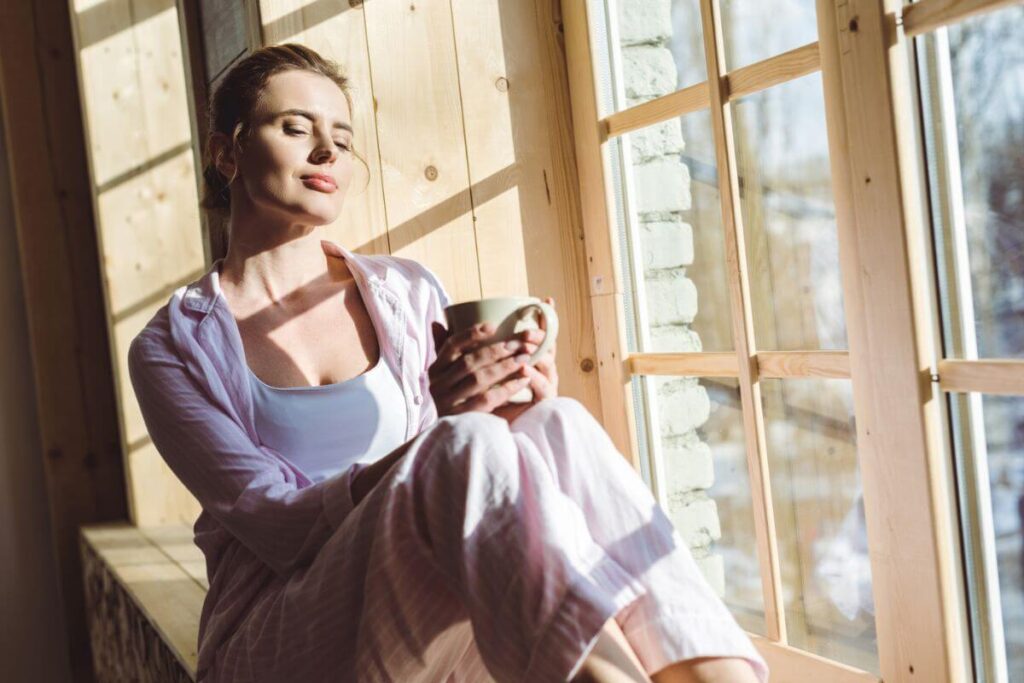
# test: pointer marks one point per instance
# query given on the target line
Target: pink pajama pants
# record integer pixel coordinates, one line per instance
(489, 552)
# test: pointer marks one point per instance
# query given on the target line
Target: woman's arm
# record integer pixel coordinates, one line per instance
(368, 476)
(250, 492)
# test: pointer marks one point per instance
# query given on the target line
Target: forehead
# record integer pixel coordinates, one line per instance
(307, 91)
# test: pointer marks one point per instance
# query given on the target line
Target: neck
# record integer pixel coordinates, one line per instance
(270, 260)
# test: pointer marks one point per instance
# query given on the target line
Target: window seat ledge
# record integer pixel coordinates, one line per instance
(144, 591)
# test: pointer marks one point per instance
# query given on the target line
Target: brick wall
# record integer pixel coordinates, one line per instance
(661, 183)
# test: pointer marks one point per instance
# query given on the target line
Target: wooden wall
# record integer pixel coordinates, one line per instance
(33, 641)
(78, 453)
(461, 111)
(135, 106)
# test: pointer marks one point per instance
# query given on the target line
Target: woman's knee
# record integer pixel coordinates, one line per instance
(562, 408)
(471, 436)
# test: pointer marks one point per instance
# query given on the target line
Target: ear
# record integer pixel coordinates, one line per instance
(223, 154)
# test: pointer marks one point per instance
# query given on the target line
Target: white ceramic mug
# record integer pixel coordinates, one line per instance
(509, 315)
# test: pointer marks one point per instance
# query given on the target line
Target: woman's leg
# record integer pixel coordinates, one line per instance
(678, 617)
(464, 554)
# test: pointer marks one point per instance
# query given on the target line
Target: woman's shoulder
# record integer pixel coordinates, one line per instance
(409, 274)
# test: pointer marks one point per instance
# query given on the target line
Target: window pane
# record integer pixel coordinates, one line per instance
(789, 217)
(754, 30)
(706, 487)
(678, 245)
(973, 81)
(660, 48)
(991, 441)
(819, 519)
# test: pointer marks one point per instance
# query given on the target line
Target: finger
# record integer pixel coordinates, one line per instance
(482, 379)
(477, 361)
(440, 333)
(542, 385)
(495, 396)
(457, 344)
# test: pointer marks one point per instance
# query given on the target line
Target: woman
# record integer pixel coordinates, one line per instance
(374, 510)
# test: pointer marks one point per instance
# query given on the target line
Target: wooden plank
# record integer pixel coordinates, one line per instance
(178, 544)
(138, 130)
(684, 364)
(773, 71)
(1004, 377)
(168, 598)
(75, 400)
(771, 364)
(928, 15)
(790, 665)
(214, 234)
(685, 101)
(604, 275)
(422, 146)
(515, 105)
(898, 433)
(796, 364)
(337, 30)
(743, 328)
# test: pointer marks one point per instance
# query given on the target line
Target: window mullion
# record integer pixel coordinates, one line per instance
(743, 329)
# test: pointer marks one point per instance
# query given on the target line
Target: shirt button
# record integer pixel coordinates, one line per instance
(417, 399)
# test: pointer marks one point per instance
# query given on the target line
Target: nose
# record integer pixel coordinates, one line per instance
(324, 152)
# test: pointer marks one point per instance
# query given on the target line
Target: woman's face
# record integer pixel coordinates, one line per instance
(297, 160)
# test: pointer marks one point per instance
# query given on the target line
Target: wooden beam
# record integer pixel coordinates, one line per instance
(773, 71)
(878, 211)
(790, 665)
(197, 85)
(604, 277)
(654, 111)
(72, 366)
(988, 376)
(797, 364)
(928, 15)
(743, 326)
(722, 364)
(770, 364)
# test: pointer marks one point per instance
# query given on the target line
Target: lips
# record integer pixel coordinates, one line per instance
(320, 182)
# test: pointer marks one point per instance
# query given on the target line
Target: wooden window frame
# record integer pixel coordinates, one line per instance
(875, 155)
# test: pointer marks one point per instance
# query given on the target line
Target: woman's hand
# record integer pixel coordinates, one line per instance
(543, 375)
(472, 372)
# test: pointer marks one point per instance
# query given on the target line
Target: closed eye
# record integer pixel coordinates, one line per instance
(292, 130)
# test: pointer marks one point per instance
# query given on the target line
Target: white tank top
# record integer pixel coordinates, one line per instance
(325, 429)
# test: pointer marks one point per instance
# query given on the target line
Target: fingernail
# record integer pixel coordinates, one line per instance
(513, 345)
(522, 358)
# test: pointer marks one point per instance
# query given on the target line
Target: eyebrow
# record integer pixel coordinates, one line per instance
(311, 117)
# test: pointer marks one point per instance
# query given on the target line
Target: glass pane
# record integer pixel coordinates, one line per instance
(706, 487)
(974, 92)
(754, 30)
(994, 462)
(660, 48)
(678, 242)
(789, 217)
(819, 519)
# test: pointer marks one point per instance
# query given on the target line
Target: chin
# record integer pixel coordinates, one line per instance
(312, 213)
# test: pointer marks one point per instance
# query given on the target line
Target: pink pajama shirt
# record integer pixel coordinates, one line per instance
(487, 552)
